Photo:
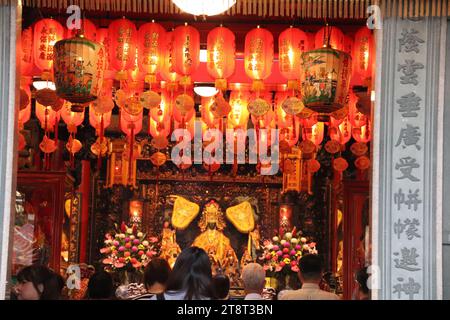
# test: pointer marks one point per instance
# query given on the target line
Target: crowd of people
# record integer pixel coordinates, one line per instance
(190, 279)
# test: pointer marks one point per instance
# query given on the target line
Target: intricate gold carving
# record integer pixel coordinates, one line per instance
(241, 216)
(184, 212)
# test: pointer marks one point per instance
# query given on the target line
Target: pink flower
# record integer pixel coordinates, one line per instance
(105, 250)
(276, 248)
(279, 253)
(116, 243)
(153, 239)
(279, 268)
(127, 239)
(295, 269)
(285, 250)
(312, 244)
(298, 247)
(266, 267)
(136, 241)
(134, 249)
(118, 264)
(107, 261)
(121, 248)
(293, 252)
(286, 244)
(286, 256)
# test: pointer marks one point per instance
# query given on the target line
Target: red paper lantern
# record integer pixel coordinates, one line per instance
(292, 42)
(342, 132)
(88, 29)
(46, 33)
(122, 36)
(206, 114)
(221, 49)
(167, 71)
(363, 57)
(357, 118)
(335, 38)
(238, 116)
(186, 51)
(258, 56)
(26, 57)
(72, 119)
(159, 129)
(95, 119)
(314, 133)
(150, 39)
(130, 125)
(46, 116)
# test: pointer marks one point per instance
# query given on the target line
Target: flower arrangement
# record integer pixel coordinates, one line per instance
(283, 255)
(128, 247)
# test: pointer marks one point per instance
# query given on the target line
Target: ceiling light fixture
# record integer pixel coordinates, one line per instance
(204, 7)
(39, 84)
(205, 90)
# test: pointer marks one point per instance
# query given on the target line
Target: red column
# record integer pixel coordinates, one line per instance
(85, 189)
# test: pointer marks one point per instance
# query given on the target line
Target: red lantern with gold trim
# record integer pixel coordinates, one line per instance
(258, 56)
(292, 42)
(26, 57)
(150, 39)
(167, 71)
(46, 33)
(88, 29)
(330, 35)
(362, 134)
(238, 116)
(363, 57)
(122, 35)
(221, 49)
(186, 51)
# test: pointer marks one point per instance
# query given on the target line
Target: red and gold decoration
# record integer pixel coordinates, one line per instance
(186, 51)
(221, 49)
(150, 52)
(122, 37)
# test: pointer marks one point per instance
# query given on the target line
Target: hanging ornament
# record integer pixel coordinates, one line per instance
(313, 165)
(307, 147)
(47, 145)
(122, 37)
(332, 147)
(258, 107)
(220, 61)
(73, 145)
(292, 106)
(186, 52)
(159, 142)
(46, 33)
(100, 148)
(362, 134)
(334, 39)
(342, 132)
(258, 56)
(220, 107)
(78, 70)
(292, 43)
(238, 115)
(362, 163)
(168, 72)
(150, 39)
(88, 29)
(158, 159)
(150, 99)
(359, 149)
(47, 97)
(325, 80)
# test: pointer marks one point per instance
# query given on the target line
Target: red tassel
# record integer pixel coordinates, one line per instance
(130, 164)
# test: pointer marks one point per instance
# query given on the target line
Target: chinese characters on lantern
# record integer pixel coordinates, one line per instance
(408, 176)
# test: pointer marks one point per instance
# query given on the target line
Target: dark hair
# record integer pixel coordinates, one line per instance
(191, 273)
(52, 282)
(220, 286)
(100, 286)
(157, 270)
(311, 267)
(362, 277)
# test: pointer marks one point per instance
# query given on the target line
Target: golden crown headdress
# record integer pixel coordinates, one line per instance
(212, 214)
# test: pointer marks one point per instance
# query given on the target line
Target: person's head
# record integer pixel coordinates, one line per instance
(254, 278)
(166, 224)
(310, 266)
(363, 290)
(38, 283)
(156, 273)
(221, 286)
(191, 273)
(100, 286)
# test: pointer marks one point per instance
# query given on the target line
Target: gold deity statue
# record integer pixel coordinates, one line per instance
(169, 246)
(212, 238)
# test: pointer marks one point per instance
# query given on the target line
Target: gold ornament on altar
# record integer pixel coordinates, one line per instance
(133, 106)
(242, 217)
(169, 246)
(98, 148)
(158, 159)
(307, 147)
(184, 212)
(340, 164)
(150, 99)
(184, 103)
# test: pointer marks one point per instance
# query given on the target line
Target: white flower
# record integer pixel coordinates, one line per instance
(294, 240)
(305, 247)
(288, 235)
(129, 230)
(121, 236)
(314, 251)
(275, 239)
(283, 242)
(132, 237)
(140, 234)
(108, 241)
(303, 239)
(270, 246)
(145, 243)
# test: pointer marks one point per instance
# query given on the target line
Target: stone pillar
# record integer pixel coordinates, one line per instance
(407, 178)
(8, 135)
